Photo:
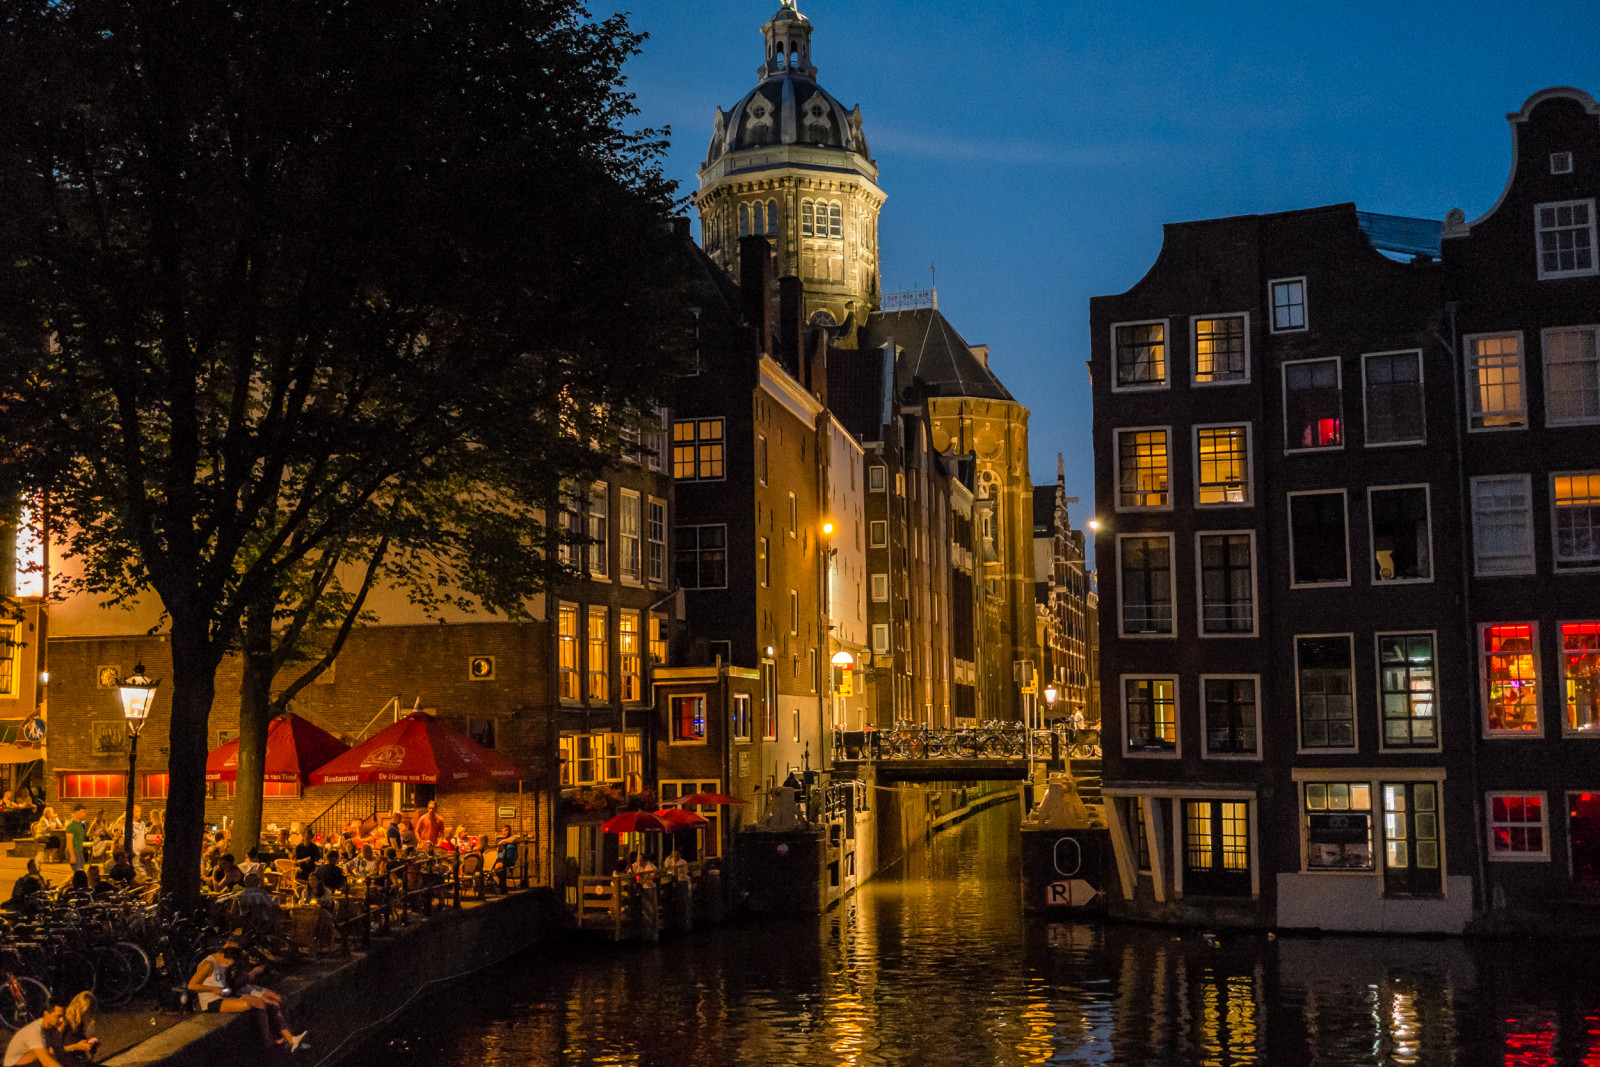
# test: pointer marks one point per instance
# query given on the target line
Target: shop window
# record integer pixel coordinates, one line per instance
(1142, 469)
(154, 786)
(688, 718)
(1145, 566)
(1313, 405)
(1519, 827)
(1140, 354)
(1327, 692)
(1572, 375)
(89, 785)
(1288, 304)
(1319, 553)
(1151, 709)
(1502, 525)
(1511, 678)
(1580, 675)
(1220, 350)
(1575, 503)
(1223, 457)
(1406, 684)
(1338, 826)
(1392, 398)
(1402, 539)
(1227, 584)
(1232, 722)
(1496, 399)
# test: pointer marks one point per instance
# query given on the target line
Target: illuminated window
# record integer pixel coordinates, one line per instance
(92, 786)
(1566, 239)
(568, 523)
(598, 528)
(835, 221)
(567, 650)
(702, 557)
(1575, 500)
(1402, 541)
(1223, 453)
(688, 718)
(1580, 674)
(1494, 382)
(658, 641)
(1519, 827)
(1151, 708)
(1227, 583)
(1141, 354)
(1327, 692)
(629, 521)
(10, 656)
(1313, 405)
(599, 656)
(1502, 525)
(763, 561)
(1405, 682)
(1219, 350)
(657, 530)
(1338, 826)
(1146, 584)
(1511, 677)
(632, 666)
(1572, 375)
(154, 786)
(697, 449)
(1216, 835)
(1142, 469)
(1288, 305)
(1393, 398)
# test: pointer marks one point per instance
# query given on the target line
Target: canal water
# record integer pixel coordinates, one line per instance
(935, 964)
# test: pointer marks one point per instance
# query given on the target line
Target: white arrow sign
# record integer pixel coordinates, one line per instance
(1072, 893)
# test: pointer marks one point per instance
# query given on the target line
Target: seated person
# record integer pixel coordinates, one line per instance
(364, 865)
(96, 886)
(505, 855)
(252, 862)
(330, 873)
(254, 906)
(306, 855)
(121, 871)
(227, 875)
(30, 883)
(43, 1042)
(214, 982)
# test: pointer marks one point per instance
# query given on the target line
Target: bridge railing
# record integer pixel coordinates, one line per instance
(1007, 741)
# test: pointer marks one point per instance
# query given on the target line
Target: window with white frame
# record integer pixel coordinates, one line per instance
(1572, 375)
(1313, 405)
(1519, 827)
(1232, 719)
(1406, 691)
(599, 525)
(1150, 705)
(878, 534)
(697, 449)
(1580, 675)
(1496, 399)
(1222, 455)
(656, 439)
(1288, 304)
(875, 478)
(1227, 583)
(1221, 349)
(1510, 665)
(1326, 682)
(794, 515)
(1502, 525)
(880, 638)
(1566, 239)
(630, 519)
(656, 565)
(1143, 473)
(1338, 826)
(702, 556)
(1145, 567)
(880, 588)
(631, 656)
(688, 715)
(1318, 539)
(1402, 538)
(1392, 398)
(599, 652)
(741, 718)
(567, 650)
(763, 561)
(1140, 353)
(1575, 519)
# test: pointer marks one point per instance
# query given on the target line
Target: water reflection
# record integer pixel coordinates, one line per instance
(936, 965)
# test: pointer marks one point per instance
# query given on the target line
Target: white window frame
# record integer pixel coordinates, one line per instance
(1283, 387)
(1177, 715)
(880, 638)
(764, 562)
(1172, 581)
(672, 720)
(1478, 570)
(1205, 725)
(1305, 304)
(1249, 462)
(1538, 682)
(1355, 701)
(741, 734)
(1542, 856)
(1372, 552)
(1556, 563)
(1116, 463)
(1199, 586)
(633, 498)
(1544, 351)
(880, 588)
(1194, 350)
(597, 553)
(877, 478)
(1561, 654)
(1422, 388)
(651, 542)
(1377, 690)
(872, 533)
(1166, 356)
(1374, 810)
(1469, 372)
(1538, 250)
(1349, 571)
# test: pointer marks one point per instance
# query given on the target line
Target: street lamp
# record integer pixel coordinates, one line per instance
(138, 694)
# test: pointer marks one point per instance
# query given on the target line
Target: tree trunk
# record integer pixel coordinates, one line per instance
(194, 684)
(255, 716)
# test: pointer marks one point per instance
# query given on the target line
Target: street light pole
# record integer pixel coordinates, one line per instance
(137, 693)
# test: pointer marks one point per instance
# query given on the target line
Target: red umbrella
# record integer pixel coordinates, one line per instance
(634, 822)
(295, 747)
(679, 819)
(418, 748)
(709, 798)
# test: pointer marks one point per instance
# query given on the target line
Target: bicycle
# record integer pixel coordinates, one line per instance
(22, 999)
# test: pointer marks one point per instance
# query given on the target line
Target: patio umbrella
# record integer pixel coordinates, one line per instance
(418, 748)
(679, 819)
(708, 798)
(634, 822)
(295, 748)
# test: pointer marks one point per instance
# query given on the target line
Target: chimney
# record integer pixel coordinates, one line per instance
(791, 328)
(755, 274)
(981, 354)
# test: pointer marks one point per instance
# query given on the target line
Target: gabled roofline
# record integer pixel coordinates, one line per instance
(1455, 220)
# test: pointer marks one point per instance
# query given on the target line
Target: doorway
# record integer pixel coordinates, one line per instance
(1584, 829)
(1411, 839)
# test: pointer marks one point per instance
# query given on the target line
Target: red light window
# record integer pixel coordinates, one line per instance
(154, 786)
(1580, 674)
(1511, 675)
(1516, 825)
(93, 786)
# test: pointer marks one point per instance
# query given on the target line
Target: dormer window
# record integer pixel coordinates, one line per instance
(1566, 233)
(1560, 162)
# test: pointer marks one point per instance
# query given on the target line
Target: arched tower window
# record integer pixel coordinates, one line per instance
(772, 218)
(807, 227)
(759, 227)
(835, 220)
(744, 220)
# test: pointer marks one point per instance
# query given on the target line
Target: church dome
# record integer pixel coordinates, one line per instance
(787, 106)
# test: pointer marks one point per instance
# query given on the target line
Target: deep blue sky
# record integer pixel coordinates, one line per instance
(1033, 150)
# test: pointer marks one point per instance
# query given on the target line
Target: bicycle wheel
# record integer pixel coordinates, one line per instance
(70, 973)
(22, 1000)
(935, 747)
(138, 961)
(113, 976)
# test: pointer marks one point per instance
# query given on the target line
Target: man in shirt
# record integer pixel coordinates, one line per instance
(121, 870)
(76, 831)
(392, 834)
(251, 864)
(34, 1042)
(429, 826)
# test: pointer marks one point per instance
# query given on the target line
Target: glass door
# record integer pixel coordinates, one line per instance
(1411, 838)
(1216, 848)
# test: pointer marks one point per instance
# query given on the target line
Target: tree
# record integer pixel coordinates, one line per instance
(273, 276)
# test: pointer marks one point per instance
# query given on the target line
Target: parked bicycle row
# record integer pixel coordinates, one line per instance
(988, 740)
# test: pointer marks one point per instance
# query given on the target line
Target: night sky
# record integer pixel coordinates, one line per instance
(1034, 150)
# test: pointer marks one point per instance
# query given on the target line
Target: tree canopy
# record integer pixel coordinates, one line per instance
(280, 281)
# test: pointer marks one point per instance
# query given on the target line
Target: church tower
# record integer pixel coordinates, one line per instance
(790, 163)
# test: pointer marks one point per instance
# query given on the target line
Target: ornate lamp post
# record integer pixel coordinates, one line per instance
(138, 694)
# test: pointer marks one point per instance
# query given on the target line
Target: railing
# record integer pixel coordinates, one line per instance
(994, 741)
(641, 905)
(908, 300)
(358, 802)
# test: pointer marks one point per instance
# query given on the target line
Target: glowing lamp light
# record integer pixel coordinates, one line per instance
(1094, 524)
(1050, 694)
(138, 694)
(827, 529)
